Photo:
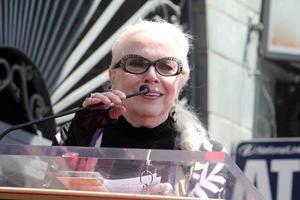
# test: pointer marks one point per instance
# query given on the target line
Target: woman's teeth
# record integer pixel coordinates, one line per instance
(153, 94)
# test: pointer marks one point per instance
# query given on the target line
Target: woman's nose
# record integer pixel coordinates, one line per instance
(151, 75)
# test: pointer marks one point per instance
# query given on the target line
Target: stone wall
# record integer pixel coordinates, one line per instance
(232, 62)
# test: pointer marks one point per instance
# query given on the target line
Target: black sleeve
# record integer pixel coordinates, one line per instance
(77, 136)
(217, 146)
(72, 135)
(82, 128)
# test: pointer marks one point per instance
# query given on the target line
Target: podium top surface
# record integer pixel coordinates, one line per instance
(142, 173)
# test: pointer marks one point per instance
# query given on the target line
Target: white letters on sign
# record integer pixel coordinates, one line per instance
(257, 171)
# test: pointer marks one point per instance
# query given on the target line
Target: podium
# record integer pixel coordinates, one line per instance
(60, 173)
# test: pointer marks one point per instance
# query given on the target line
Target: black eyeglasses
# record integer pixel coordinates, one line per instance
(135, 64)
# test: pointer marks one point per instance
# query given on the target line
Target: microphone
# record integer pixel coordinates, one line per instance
(144, 89)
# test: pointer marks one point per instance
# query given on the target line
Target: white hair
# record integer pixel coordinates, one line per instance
(193, 135)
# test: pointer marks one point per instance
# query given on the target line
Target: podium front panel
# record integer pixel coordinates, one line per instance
(112, 173)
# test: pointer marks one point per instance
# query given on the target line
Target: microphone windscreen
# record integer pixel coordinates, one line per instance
(144, 88)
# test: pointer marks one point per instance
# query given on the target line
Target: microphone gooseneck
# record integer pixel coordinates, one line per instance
(144, 89)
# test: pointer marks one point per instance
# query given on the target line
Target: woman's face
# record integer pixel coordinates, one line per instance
(152, 109)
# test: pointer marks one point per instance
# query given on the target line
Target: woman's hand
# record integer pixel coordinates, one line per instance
(110, 102)
(162, 189)
(114, 98)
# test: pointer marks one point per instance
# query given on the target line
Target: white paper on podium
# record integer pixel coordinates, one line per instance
(129, 185)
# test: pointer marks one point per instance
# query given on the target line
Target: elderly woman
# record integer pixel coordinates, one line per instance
(148, 53)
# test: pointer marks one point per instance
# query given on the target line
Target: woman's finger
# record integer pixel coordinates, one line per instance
(96, 99)
(116, 112)
(115, 96)
(162, 188)
(121, 94)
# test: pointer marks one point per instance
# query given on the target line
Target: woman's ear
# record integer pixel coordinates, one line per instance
(181, 84)
(111, 75)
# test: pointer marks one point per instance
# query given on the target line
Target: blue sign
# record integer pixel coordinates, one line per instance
(273, 166)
